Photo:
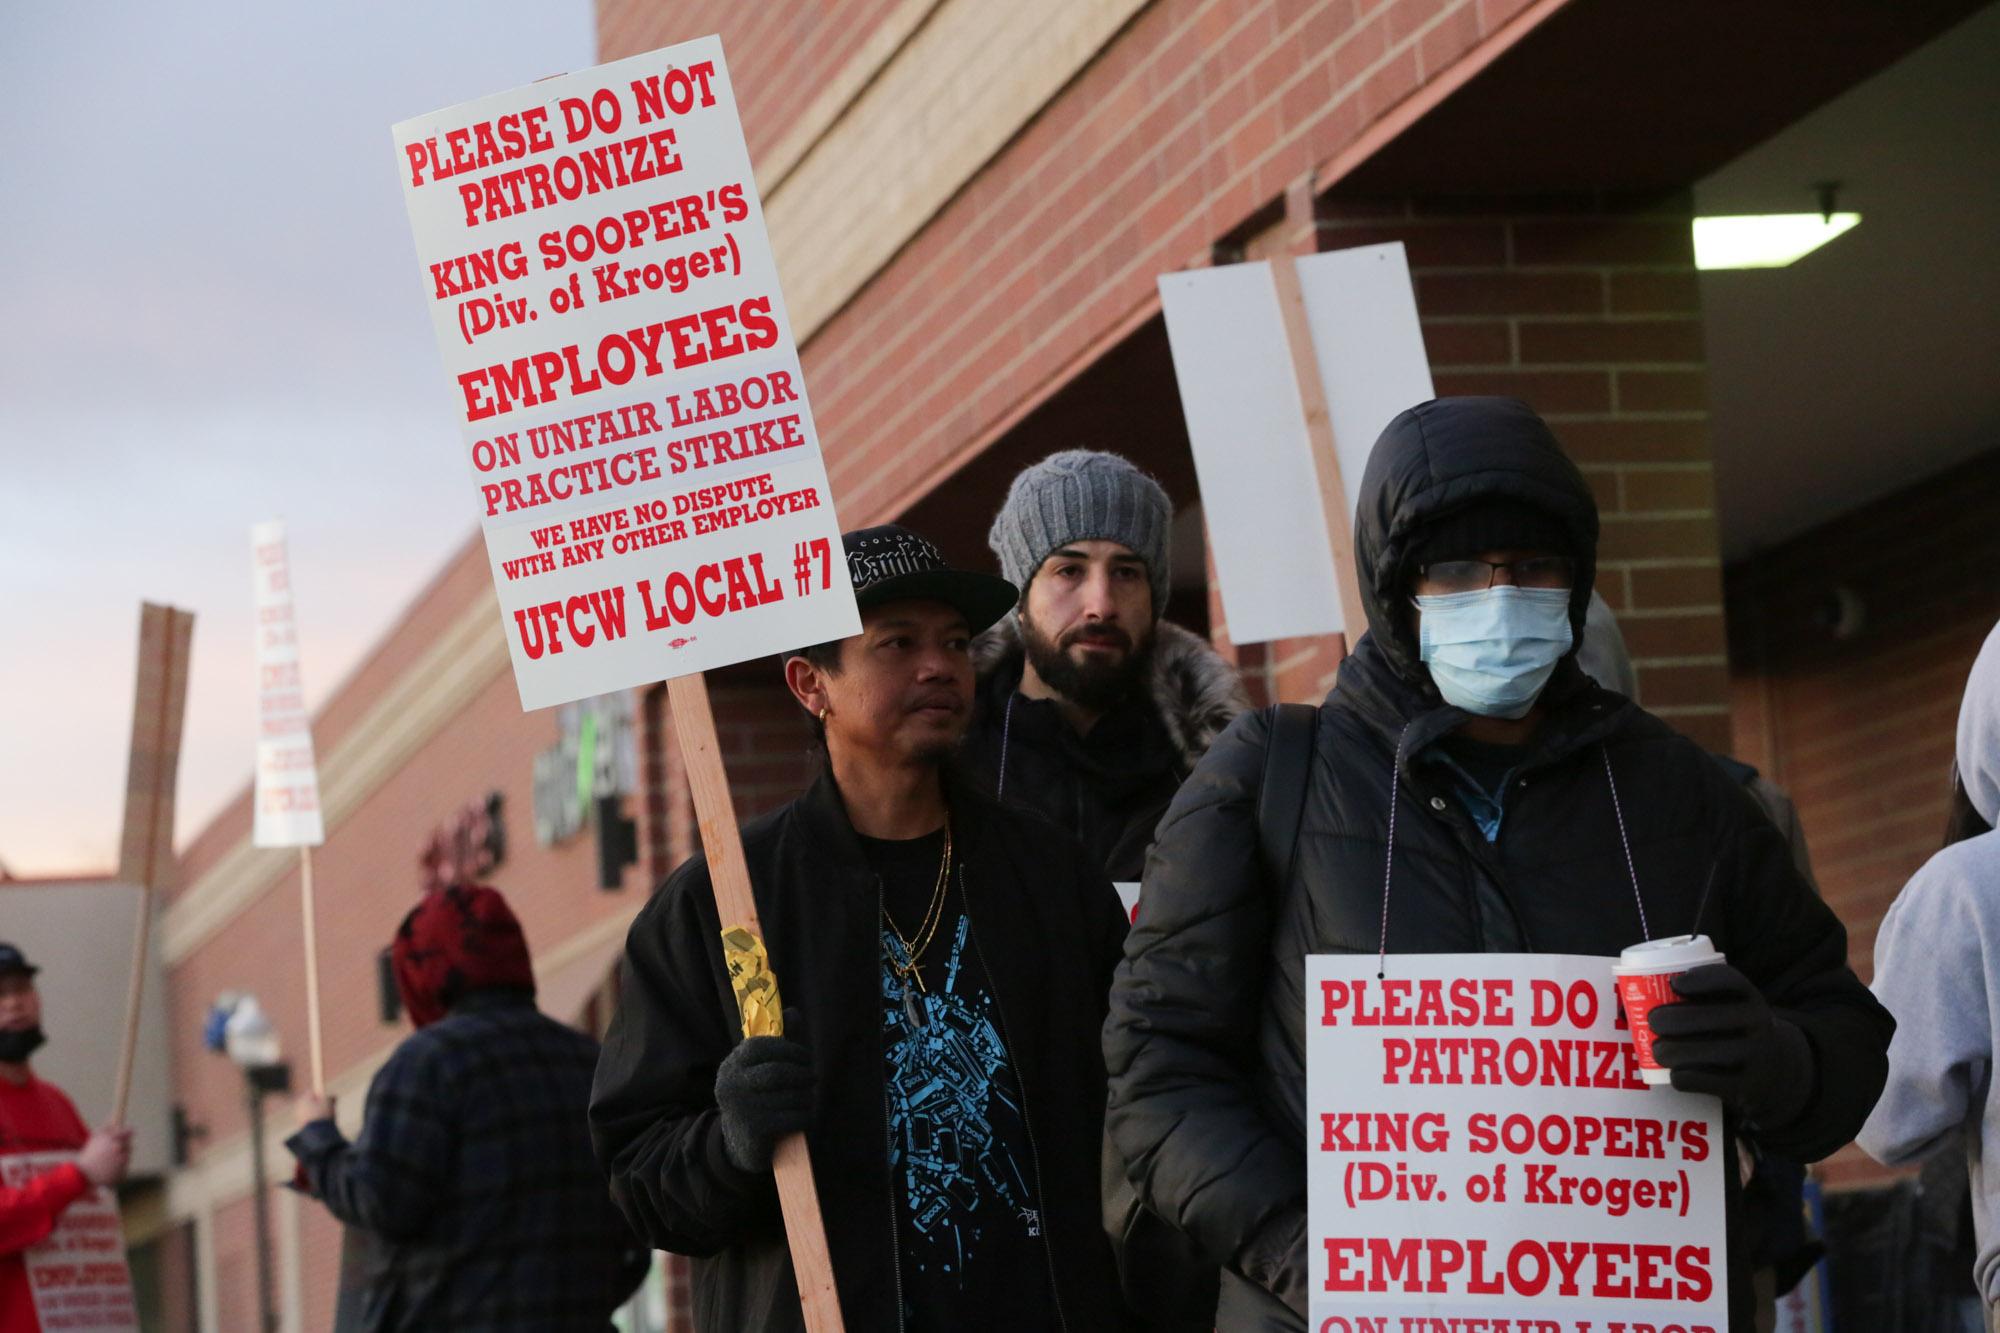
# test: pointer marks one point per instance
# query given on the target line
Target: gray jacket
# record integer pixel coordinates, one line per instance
(1937, 968)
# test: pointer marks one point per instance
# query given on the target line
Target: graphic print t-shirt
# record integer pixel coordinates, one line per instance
(968, 1219)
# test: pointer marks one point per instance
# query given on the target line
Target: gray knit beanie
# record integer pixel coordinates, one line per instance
(1082, 495)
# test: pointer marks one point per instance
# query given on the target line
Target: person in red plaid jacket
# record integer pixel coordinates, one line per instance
(473, 1171)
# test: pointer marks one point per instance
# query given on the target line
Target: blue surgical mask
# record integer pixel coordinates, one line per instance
(1490, 652)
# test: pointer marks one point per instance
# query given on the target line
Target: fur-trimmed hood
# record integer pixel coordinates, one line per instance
(1194, 691)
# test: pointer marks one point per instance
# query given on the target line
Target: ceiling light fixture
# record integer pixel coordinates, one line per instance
(1769, 240)
(1764, 240)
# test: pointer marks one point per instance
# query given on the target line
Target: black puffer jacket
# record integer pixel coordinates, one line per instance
(1205, 1041)
(1047, 927)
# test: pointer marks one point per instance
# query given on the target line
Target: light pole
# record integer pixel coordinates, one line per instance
(238, 1027)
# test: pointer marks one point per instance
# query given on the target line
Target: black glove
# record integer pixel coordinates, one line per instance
(763, 1091)
(1723, 1038)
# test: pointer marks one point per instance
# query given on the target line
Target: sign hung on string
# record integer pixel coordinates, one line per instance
(1481, 1149)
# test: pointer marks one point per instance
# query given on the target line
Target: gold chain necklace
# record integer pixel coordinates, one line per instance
(927, 930)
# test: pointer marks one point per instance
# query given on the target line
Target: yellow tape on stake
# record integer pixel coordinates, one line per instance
(756, 989)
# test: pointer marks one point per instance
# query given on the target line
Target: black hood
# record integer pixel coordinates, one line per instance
(1439, 457)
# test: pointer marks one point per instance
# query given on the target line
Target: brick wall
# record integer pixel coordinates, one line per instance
(1189, 122)
(366, 877)
(1860, 730)
(767, 738)
(320, 1239)
(1586, 307)
(236, 1266)
(780, 55)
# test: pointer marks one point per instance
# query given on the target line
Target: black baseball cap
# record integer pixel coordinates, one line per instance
(890, 563)
(12, 960)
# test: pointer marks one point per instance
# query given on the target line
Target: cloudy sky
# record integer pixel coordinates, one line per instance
(211, 314)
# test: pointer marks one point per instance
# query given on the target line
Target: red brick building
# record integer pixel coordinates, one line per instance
(970, 203)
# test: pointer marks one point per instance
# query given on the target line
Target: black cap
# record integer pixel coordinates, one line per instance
(892, 564)
(12, 960)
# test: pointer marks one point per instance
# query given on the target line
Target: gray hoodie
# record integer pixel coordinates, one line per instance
(1937, 969)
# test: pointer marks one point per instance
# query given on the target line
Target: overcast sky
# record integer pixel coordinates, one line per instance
(211, 314)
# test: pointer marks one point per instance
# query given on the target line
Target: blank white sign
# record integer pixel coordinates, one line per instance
(1363, 315)
(1259, 490)
(1259, 494)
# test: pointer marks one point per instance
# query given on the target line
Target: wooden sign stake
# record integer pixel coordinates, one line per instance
(312, 972)
(158, 703)
(142, 931)
(715, 813)
(1319, 432)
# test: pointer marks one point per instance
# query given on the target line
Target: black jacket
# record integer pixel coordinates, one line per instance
(1205, 1042)
(474, 1181)
(1047, 927)
(1110, 787)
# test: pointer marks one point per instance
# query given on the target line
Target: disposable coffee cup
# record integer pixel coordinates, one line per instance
(1645, 974)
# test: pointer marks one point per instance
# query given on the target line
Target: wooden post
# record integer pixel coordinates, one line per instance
(159, 702)
(142, 932)
(312, 972)
(1319, 432)
(715, 813)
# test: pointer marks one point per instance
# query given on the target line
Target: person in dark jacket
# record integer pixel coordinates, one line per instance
(473, 1176)
(947, 960)
(1516, 806)
(1772, 1213)
(1091, 708)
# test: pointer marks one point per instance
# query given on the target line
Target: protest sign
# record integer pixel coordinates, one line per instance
(1288, 370)
(77, 1273)
(1128, 897)
(287, 812)
(632, 409)
(287, 790)
(1480, 1147)
(642, 453)
(1259, 492)
(1362, 310)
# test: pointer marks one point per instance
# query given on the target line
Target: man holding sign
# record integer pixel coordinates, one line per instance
(35, 1117)
(472, 1179)
(1468, 791)
(948, 958)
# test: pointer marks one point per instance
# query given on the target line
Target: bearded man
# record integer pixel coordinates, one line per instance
(1092, 707)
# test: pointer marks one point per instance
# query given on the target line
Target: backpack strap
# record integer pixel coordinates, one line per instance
(1281, 799)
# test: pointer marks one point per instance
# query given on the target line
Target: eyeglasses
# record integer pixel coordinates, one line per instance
(1537, 571)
